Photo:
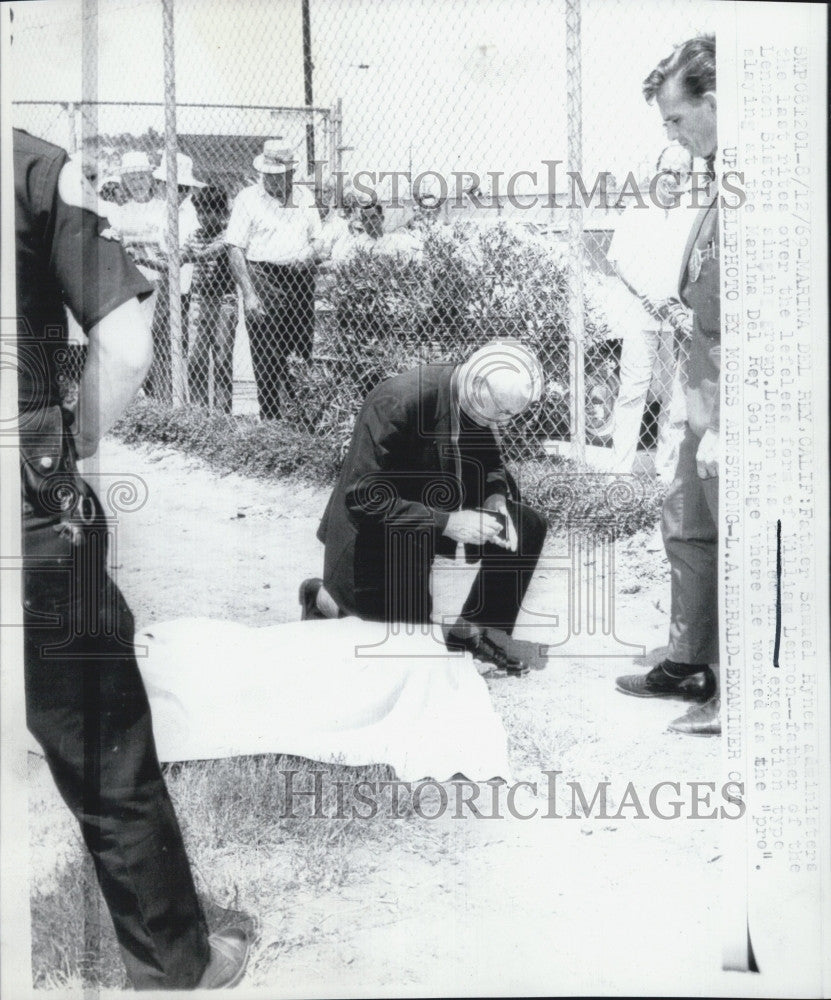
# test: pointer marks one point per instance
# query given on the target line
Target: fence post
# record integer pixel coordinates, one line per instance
(337, 137)
(308, 92)
(179, 388)
(576, 318)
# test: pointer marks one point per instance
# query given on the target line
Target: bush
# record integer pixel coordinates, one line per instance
(272, 448)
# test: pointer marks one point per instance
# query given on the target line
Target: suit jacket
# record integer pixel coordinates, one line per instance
(700, 290)
(404, 471)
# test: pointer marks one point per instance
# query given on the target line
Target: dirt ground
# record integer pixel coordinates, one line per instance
(467, 906)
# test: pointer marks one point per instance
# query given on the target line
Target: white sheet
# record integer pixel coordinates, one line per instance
(221, 689)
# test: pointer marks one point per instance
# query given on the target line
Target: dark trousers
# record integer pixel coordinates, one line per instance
(286, 327)
(690, 529)
(212, 325)
(395, 586)
(87, 707)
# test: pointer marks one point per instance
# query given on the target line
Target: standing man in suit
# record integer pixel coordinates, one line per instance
(684, 87)
(424, 474)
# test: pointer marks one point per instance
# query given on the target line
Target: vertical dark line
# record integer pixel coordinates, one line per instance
(308, 92)
(778, 636)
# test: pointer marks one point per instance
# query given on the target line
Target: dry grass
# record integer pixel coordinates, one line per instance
(248, 853)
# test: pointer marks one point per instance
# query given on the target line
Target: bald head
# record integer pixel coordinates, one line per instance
(498, 382)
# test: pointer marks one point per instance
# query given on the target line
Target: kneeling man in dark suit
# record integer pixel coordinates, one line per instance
(424, 473)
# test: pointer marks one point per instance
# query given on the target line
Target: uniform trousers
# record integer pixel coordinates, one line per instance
(689, 525)
(86, 706)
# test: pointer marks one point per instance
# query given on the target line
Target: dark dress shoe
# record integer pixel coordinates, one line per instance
(308, 599)
(489, 645)
(703, 720)
(661, 682)
(229, 957)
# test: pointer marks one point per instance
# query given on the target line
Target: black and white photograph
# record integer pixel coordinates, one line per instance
(414, 499)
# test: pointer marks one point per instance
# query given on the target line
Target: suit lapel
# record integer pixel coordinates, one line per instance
(695, 231)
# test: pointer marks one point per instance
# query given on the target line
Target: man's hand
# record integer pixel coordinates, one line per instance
(253, 305)
(707, 455)
(496, 502)
(473, 527)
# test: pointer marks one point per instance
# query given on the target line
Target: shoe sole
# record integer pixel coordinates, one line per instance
(237, 979)
(683, 732)
(308, 609)
(676, 695)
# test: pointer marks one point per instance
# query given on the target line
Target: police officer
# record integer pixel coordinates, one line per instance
(684, 87)
(85, 701)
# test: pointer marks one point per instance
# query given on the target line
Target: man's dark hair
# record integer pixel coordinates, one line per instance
(694, 63)
(211, 199)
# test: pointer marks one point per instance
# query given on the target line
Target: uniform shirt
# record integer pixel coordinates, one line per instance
(269, 232)
(62, 259)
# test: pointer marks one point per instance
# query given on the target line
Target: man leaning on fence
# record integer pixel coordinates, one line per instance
(274, 236)
(85, 701)
(684, 87)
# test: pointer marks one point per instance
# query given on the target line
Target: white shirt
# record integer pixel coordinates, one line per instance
(269, 232)
(648, 245)
(145, 223)
(400, 244)
(139, 221)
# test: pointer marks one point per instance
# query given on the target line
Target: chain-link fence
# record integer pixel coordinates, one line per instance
(475, 170)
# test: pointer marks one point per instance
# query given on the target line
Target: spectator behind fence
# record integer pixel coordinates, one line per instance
(212, 316)
(684, 87)
(159, 381)
(111, 190)
(423, 475)
(337, 206)
(85, 701)
(140, 221)
(372, 239)
(646, 254)
(274, 238)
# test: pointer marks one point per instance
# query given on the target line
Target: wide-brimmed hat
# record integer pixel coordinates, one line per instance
(275, 159)
(135, 162)
(184, 171)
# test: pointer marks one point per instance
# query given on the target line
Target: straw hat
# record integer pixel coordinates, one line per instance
(184, 171)
(275, 159)
(135, 162)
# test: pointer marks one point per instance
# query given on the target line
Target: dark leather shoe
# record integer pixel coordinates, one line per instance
(308, 599)
(703, 720)
(229, 957)
(489, 645)
(658, 683)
